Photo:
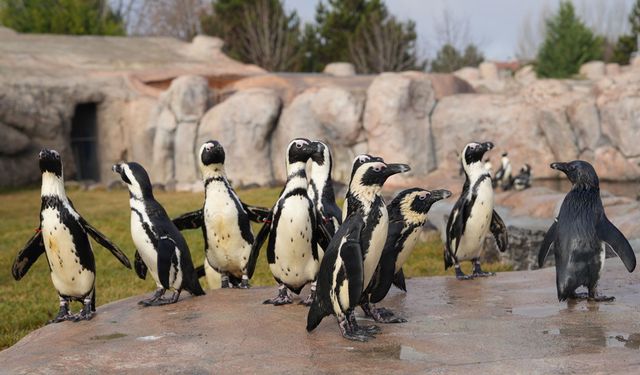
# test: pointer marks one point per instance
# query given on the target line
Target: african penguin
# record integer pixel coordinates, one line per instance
(473, 216)
(62, 236)
(523, 179)
(320, 190)
(292, 251)
(579, 236)
(340, 281)
(161, 248)
(407, 215)
(365, 199)
(224, 220)
(503, 175)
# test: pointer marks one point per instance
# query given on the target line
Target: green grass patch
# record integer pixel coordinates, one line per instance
(27, 305)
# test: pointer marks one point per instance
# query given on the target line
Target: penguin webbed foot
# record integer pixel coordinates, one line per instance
(84, 314)
(366, 330)
(349, 333)
(382, 314)
(478, 272)
(309, 300)
(164, 301)
(461, 276)
(283, 298)
(157, 296)
(63, 315)
(593, 296)
(244, 284)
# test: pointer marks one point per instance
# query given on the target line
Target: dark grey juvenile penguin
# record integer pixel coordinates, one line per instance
(473, 216)
(503, 176)
(340, 280)
(365, 200)
(161, 248)
(321, 193)
(523, 179)
(580, 233)
(292, 250)
(224, 220)
(62, 236)
(407, 215)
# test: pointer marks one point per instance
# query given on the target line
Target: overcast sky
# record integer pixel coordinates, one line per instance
(493, 24)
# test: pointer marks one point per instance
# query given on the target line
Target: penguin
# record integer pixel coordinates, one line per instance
(523, 179)
(407, 215)
(292, 250)
(224, 220)
(340, 281)
(473, 216)
(503, 175)
(161, 248)
(62, 236)
(579, 235)
(321, 192)
(365, 199)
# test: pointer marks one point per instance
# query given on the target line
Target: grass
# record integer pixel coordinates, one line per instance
(27, 305)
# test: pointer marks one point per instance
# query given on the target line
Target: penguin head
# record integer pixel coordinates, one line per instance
(526, 169)
(361, 159)
(136, 178)
(414, 203)
(474, 151)
(211, 152)
(300, 150)
(374, 174)
(50, 162)
(579, 172)
(322, 155)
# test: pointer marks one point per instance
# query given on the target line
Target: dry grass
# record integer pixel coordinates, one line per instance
(28, 304)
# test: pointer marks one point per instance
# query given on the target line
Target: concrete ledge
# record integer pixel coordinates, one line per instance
(511, 323)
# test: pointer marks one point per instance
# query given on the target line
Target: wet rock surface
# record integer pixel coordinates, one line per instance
(510, 323)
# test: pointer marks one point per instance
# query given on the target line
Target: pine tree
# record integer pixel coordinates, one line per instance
(627, 44)
(75, 17)
(449, 59)
(568, 44)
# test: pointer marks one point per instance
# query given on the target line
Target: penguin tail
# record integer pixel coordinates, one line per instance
(195, 289)
(315, 316)
(399, 282)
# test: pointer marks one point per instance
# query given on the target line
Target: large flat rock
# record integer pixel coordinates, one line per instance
(508, 324)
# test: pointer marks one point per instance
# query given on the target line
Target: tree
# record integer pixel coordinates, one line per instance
(75, 17)
(257, 32)
(362, 32)
(627, 44)
(176, 18)
(568, 44)
(449, 59)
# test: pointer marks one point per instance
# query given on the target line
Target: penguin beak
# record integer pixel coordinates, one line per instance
(487, 146)
(562, 167)
(117, 168)
(440, 194)
(396, 168)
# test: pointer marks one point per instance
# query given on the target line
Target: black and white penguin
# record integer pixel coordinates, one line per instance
(473, 216)
(340, 281)
(503, 176)
(523, 179)
(292, 251)
(161, 248)
(407, 215)
(224, 220)
(579, 236)
(62, 236)
(321, 193)
(365, 200)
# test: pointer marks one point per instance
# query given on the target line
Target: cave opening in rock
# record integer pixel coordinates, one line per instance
(84, 141)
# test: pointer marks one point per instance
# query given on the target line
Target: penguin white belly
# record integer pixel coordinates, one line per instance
(407, 248)
(228, 251)
(478, 223)
(69, 277)
(294, 264)
(378, 238)
(145, 247)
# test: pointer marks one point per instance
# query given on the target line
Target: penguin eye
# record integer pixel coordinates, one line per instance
(363, 159)
(423, 196)
(378, 168)
(299, 144)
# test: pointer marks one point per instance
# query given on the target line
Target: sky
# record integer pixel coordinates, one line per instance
(493, 24)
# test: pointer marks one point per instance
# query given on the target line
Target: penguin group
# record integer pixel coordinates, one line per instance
(348, 257)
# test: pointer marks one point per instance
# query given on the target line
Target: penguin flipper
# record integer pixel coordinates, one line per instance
(190, 220)
(382, 278)
(499, 231)
(139, 266)
(323, 234)
(545, 247)
(351, 254)
(256, 246)
(104, 241)
(607, 232)
(399, 282)
(28, 255)
(166, 257)
(455, 229)
(257, 214)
